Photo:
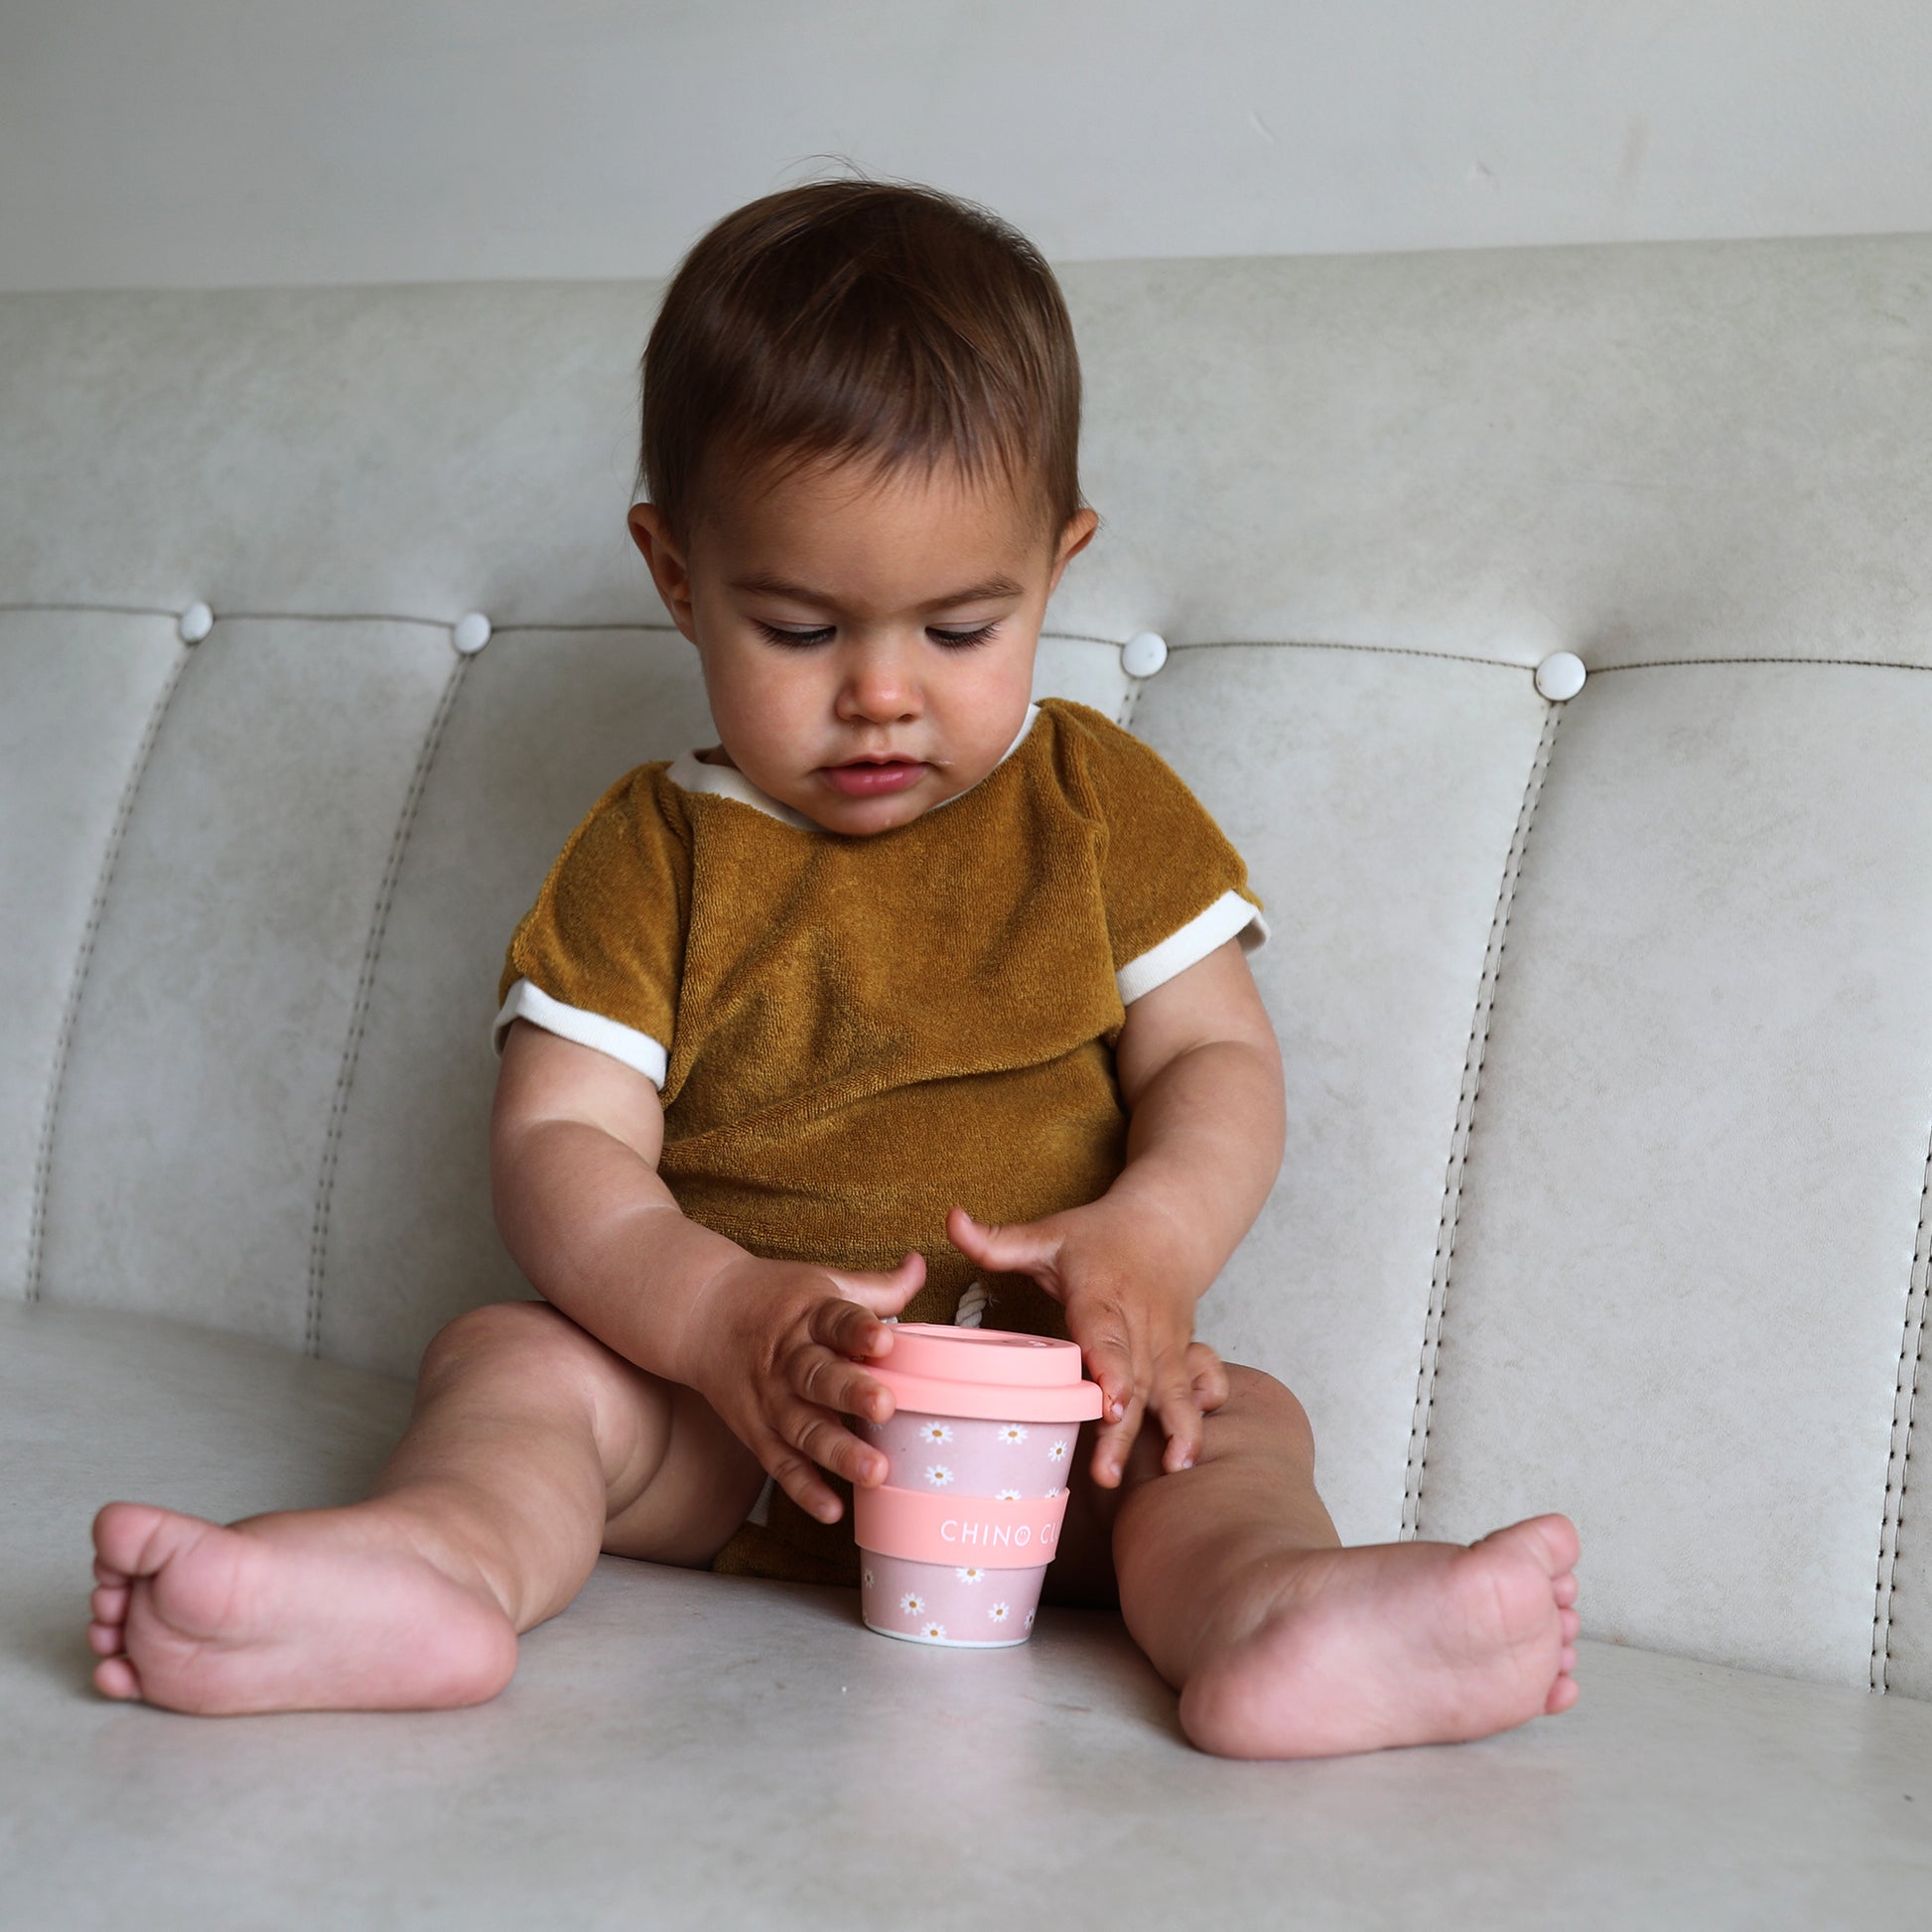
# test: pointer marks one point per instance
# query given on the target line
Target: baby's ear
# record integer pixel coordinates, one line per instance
(668, 569)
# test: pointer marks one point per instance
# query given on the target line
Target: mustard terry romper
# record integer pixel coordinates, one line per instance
(853, 1033)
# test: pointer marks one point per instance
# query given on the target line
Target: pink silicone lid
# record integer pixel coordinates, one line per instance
(988, 1373)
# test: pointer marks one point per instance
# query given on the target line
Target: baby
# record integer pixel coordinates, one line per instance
(909, 997)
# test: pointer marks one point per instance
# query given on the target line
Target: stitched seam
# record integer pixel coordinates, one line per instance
(1377, 650)
(119, 609)
(1680, 664)
(70, 1011)
(1899, 1461)
(1465, 1109)
(358, 1017)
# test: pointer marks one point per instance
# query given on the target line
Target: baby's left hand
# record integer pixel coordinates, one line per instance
(1132, 1316)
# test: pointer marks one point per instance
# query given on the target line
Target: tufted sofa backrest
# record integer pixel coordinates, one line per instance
(1606, 1019)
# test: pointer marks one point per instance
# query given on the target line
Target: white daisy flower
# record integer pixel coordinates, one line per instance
(934, 1630)
(972, 1573)
(934, 1432)
(1008, 1495)
(868, 1579)
(1051, 1494)
(1058, 1451)
(1000, 1613)
(1012, 1433)
(1029, 1619)
(911, 1603)
(939, 1474)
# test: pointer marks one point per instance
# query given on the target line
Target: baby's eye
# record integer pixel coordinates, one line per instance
(778, 637)
(964, 639)
(948, 639)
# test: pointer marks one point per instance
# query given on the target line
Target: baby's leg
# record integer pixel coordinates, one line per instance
(1284, 1644)
(527, 1438)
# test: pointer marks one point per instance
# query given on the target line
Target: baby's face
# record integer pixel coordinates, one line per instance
(868, 647)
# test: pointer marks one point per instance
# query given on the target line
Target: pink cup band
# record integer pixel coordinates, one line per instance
(894, 1522)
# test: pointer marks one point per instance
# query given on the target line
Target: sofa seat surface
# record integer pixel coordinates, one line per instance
(678, 1748)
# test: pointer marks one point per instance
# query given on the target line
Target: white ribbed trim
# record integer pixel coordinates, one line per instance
(691, 773)
(626, 1043)
(1229, 915)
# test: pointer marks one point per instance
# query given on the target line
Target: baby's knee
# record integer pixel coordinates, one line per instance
(1258, 1399)
(523, 1332)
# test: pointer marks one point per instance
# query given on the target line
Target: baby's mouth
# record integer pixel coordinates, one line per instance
(867, 777)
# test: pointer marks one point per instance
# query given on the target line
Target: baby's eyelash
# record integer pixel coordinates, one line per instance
(778, 637)
(965, 640)
(949, 640)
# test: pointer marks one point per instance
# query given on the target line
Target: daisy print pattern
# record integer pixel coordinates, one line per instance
(1000, 1613)
(1058, 1451)
(1008, 1495)
(1029, 1619)
(972, 1573)
(1012, 1431)
(934, 1630)
(868, 1579)
(934, 1432)
(912, 1604)
(939, 1474)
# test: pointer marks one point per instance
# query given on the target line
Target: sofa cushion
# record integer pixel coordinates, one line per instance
(678, 1748)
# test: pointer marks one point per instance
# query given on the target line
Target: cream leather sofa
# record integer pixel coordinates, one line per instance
(1606, 1014)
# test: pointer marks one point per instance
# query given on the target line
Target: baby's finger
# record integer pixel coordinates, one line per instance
(832, 1382)
(849, 1328)
(798, 1478)
(884, 1292)
(1209, 1375)
(1116, 1440)
(1173, 1403)
(832, 1446)
(1110, 1361)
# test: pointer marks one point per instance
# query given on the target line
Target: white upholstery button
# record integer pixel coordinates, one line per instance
(471, 633)
(196, 623)
(1142, 653)
(1560, 675)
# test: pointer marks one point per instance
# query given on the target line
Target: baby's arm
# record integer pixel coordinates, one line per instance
(574, 1142)
(1200, 1072)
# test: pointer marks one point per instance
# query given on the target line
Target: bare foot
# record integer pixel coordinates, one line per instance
(303, 1610)
(1392, 1644)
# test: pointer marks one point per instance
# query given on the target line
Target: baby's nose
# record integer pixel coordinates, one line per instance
(881, 687)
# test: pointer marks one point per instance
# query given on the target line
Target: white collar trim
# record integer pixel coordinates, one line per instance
(690, 772)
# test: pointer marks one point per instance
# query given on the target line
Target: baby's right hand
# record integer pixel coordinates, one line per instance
(783, 1341)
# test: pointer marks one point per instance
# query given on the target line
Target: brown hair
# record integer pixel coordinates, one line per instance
(861, 319)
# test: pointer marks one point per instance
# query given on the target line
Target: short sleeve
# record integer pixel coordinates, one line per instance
(598, 957)
(1174, 886)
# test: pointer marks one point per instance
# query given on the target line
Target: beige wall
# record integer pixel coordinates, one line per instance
(221, 142)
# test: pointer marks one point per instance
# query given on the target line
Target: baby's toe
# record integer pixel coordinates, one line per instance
(125, 1537)
(1565, 1588)
(1563, 1693)
(1570, 1623)
(109, 1604)
(105, 1572)
(1556, 1535)
(107, 1639)
(114, 1676)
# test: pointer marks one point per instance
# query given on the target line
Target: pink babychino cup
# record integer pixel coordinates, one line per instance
(954, 1544)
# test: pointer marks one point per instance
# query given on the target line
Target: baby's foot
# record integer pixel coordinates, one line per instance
(1393, 1643)
(301, 1611)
